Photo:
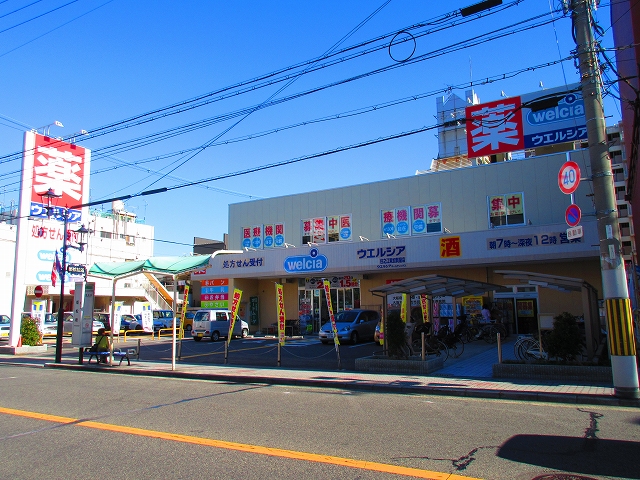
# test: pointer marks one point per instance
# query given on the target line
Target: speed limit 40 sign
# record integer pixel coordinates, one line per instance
(569, 177)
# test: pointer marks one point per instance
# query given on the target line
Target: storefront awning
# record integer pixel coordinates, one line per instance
(438, 285)
(556, 282)
(158, 265)
(161, 265)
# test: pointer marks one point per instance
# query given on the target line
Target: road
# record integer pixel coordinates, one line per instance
(148, 428)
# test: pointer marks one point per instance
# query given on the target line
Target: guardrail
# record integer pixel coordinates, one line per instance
(179, 333)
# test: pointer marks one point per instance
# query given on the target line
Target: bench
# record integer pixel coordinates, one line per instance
(103, 357)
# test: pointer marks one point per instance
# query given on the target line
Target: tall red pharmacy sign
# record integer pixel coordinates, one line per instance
(48, 164)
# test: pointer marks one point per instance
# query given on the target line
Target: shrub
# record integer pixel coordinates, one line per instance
(394, 334)
(565, 340)
(30, 333)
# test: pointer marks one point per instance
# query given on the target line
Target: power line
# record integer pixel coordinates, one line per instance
(372, 108)
(180, 106)
(38, 16)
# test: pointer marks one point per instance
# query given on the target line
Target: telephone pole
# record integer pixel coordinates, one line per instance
(621, 338)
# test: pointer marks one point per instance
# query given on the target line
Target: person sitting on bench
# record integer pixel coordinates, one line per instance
(102, 344)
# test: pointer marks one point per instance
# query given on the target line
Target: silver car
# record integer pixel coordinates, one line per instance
(352, 326)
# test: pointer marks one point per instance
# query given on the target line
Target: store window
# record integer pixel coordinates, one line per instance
(506, 209)
(334, 228)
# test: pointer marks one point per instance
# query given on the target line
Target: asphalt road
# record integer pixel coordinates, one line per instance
(120, 426)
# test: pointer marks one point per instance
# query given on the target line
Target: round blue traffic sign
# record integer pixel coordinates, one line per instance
(573, 215)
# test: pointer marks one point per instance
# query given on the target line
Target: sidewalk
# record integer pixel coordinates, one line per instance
(464, 377)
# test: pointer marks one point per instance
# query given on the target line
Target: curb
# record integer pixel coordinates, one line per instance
(454, 391)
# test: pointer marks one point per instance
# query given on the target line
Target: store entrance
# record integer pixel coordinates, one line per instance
(312, 306)
(518, 311)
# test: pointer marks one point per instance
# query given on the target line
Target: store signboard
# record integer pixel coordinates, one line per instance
(532, 120)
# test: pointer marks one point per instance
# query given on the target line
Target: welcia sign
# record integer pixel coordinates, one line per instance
(314, 262)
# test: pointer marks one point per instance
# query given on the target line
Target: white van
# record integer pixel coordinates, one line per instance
(215, 324)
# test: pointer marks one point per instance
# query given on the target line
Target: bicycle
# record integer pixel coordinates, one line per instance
(489, 332)
(432, 344)
(453, 340)
(527, 348)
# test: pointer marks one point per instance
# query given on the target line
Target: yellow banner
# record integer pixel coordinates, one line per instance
(424, 302)
(403, 308)
(185, 305)
(237, 295)
(280, 313)
(327, 291)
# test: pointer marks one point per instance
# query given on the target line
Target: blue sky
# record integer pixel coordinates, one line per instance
(96, 62)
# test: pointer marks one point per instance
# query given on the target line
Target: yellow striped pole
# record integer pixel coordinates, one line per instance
(620, 323)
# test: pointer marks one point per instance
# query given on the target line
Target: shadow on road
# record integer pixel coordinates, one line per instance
(590, 456)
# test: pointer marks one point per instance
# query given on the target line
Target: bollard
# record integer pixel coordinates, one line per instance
(279, 358)
(138, 356)
(499, 341)
(226, 350)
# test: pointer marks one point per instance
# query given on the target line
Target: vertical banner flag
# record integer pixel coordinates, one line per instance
(281, 314)
(185, 305)
(327, 292)
(425, 308)
(54, 277)
(235, 305)
(403, 308)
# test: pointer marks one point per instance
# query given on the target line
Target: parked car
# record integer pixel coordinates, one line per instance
(105, 318)
(5, 323)
(67, 326)
(215, 324)
(136, 323)
(126, 320)
(376, 336)
(352, 325)
(164, 319)
(188, 320)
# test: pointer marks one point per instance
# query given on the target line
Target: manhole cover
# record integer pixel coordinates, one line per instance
(561, 476)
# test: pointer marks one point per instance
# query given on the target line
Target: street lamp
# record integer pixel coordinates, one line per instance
(82, 241)
(45, 129)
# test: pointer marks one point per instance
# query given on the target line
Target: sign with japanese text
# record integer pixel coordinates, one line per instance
(525, 241)
(514, 204)
(254, 310)
(214, 293)
(49, 164)
(494, 127)
(450, 247)
(235, 305)
(497, 207)
(424, 303)
(256, 236)
(62, 167)
(532, 120)
(426, 219)
(185, 305)
(575, 232)
(334, 328)
(346, 281)
(415, 220)
(269, 232)
(403, 227)
(388, 220)
(339, 228)
(403, 308)
(388, 257)
(280, 313)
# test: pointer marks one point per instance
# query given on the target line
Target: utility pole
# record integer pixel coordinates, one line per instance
(614, 281)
